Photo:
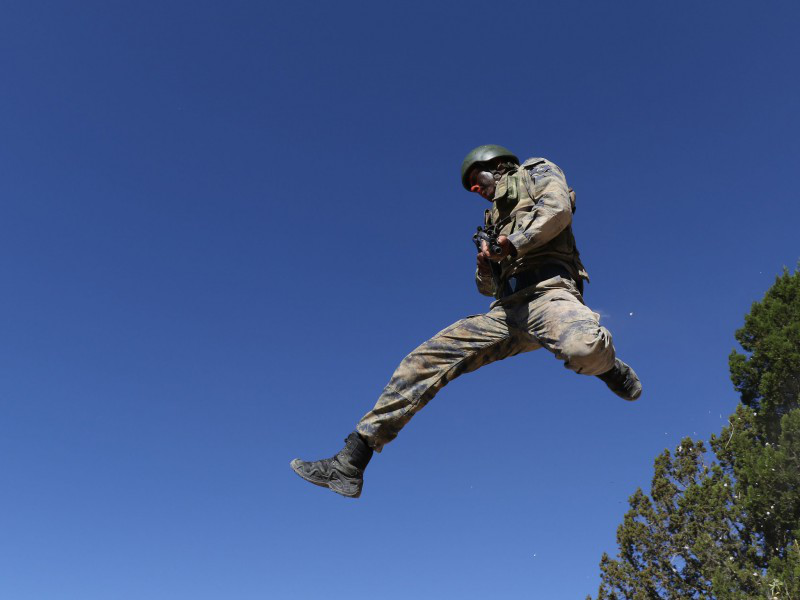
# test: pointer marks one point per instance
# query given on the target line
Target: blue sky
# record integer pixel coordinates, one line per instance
(223, 224)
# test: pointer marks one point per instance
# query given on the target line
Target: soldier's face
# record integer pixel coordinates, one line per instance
(482, 182)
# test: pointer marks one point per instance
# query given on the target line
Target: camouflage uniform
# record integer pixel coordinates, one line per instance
(533, 207)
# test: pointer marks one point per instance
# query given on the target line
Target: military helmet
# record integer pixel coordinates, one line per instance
(483, 154)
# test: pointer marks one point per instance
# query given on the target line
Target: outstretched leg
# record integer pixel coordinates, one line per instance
(461, 348)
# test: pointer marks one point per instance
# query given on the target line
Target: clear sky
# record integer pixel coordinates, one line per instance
(222, 224)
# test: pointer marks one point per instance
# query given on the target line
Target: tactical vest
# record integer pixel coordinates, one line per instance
(514, 196)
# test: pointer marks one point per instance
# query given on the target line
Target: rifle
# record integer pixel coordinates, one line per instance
(488, 235)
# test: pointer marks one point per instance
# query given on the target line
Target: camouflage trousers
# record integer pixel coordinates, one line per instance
(550, 315)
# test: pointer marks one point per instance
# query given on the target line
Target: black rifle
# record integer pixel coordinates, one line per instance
(488, 235)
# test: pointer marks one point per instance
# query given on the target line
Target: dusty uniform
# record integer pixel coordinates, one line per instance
(538, 304)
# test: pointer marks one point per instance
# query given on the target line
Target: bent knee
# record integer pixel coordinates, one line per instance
(587, 348)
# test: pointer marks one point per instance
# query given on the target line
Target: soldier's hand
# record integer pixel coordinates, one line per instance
(484, 266)
(505, 245)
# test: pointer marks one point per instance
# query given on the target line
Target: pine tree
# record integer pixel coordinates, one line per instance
(763, 449)
(728, 530)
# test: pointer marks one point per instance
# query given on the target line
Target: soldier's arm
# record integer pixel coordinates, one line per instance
(552, 213)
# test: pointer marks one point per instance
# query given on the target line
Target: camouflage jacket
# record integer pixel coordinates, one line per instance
(533, 206)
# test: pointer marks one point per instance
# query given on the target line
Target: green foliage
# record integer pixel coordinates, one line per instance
(727, 530)
(682, 540)
(768, 480)
(784, 575)
(768, 376)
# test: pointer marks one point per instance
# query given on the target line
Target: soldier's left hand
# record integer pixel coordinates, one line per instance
(502, 241)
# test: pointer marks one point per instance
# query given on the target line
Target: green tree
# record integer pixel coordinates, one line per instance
(727, 530)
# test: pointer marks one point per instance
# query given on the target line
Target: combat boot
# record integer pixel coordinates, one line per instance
(622, 380)
(343, 473)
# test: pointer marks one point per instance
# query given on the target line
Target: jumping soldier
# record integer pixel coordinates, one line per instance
(533, 270)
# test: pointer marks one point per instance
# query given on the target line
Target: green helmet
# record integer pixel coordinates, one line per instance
(483, 154)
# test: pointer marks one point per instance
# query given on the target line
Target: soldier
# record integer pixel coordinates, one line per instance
(534, 272)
